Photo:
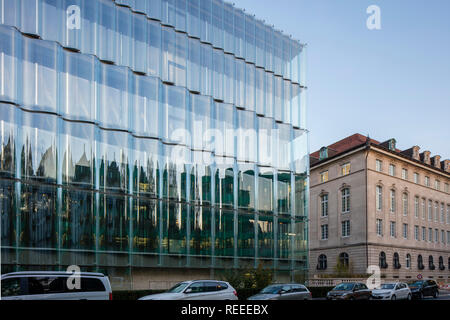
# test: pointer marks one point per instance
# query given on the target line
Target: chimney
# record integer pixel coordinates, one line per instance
(446, 165)
(415, 153)
(436, 161)
(425, 157)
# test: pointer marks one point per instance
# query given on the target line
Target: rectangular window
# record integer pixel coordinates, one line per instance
(416, 233)
(379, 198)
(404, 174)
(437, 185)
(379, 165)
(448, 214)
(436, 235)
(405, 231)
(430, 210)
(442, 236)
(423, 209)
(346, 228)
(392, 170)
(324, 205)
(442, 213)
(393, 200)
(345, 169)
(345, 200)
(416, 177)
(427, 181)
(424, 234)
(324, 230)
(446, 187)
(436, 212)
(405, 204)
(324, 176)
(416, 207)
(393, 229)
(379, 225)
(448, 237)
(430, 235)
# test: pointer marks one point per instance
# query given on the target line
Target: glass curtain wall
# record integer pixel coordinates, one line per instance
(162, 133)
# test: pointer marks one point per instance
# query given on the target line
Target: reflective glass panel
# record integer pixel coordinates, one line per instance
(146, 106)
(114, 223)
(224, 244)
(145, 225)
(77, 220)
(154, 48)
(113, 96)
(200, 237)
(8, 136)
(38, 147)
(77, 149)
(39, 87)
(265, 236)
(246, 235)
(246, 186)
(78, 94)
(38, 218)
(265, 190)
(174, 228)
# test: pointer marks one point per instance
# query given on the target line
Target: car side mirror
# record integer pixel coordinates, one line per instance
(281, 291)
(189, 290)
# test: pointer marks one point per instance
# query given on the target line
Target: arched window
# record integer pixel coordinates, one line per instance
(322, 262)
(408, 261)
(430, 263)
(441, 263)
(343, 259)
(420, 265)
(382, 260)
(397, 264)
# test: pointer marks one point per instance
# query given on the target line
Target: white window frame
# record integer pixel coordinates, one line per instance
(393, 229)
(379, 198)
(324, 205)
(378, 165)
(379, 227)
(345, 228)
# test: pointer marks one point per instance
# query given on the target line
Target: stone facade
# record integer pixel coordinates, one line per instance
(419, 191)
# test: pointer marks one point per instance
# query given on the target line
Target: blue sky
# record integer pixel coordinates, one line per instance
(388, 83)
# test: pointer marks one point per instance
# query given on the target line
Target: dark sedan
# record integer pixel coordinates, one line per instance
(350, 291)
(424, 288)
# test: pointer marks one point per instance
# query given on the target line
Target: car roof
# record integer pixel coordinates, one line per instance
(50, 273)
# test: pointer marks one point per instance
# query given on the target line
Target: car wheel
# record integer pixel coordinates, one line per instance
(436, 294)
(409, 296)
(394, 297)
(421, 296)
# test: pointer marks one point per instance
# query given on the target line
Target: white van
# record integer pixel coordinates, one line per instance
(49, 285)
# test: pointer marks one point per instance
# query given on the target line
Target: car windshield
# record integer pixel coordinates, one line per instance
(388, 286)
(344, 287)
(416, 284)
(178, 287)
(272, 289)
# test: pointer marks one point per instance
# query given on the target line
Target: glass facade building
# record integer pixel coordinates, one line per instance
(150, 134)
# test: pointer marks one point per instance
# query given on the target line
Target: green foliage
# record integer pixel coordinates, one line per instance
(248, 278)
(343, 270)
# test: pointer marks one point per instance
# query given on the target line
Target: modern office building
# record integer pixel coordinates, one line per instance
(373, 204)
(153, 140)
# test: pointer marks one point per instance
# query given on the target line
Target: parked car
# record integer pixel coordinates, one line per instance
(392, 291)
(197, 290)
(350, 291)
(291, 291)
(424, 288)
(36, 285)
